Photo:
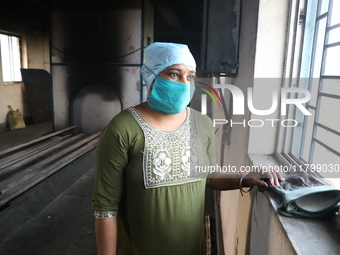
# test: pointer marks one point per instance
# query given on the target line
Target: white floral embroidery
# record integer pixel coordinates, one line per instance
(170, 157)
(162, 163)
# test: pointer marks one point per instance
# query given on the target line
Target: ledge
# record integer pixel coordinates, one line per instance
(306, 236)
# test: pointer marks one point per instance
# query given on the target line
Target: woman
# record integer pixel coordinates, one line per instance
(146, 165)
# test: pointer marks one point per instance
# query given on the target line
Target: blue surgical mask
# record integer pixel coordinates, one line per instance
(170, 97)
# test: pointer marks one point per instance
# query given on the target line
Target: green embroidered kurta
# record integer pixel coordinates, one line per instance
(158, 197)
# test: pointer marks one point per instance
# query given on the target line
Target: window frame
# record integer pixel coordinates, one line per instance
(292, 77)
(21, 57)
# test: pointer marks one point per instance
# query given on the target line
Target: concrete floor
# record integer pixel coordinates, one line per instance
(55, 217)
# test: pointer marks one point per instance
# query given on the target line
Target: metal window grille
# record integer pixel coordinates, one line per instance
(313, 62)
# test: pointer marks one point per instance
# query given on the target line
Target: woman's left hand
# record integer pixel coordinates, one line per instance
(256, 178)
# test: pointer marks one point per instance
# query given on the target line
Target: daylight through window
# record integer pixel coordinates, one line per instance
(10, 58)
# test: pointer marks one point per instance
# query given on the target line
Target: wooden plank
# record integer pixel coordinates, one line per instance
(7, 195)
(18, 170)
(35, 141)
(32, 170)
(33, 152)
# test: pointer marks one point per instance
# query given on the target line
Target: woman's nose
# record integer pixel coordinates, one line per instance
(183, 79)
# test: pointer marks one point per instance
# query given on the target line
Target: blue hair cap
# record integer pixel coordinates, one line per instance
(160, 55)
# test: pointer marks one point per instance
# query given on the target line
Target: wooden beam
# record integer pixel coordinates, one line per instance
(32, 152)
(33, 142)
(40, 172)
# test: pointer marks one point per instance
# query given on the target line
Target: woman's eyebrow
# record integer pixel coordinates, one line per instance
(178, 69)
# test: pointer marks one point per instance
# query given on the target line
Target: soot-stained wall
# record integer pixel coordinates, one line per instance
(95, 46)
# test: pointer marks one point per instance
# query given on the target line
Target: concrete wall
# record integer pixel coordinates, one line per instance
(248, 223)
(35, 54)
(266, 233)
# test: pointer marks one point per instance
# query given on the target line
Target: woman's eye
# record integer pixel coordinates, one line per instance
(174, 75)
(191, 77)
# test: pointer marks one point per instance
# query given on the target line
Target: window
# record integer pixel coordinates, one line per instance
(313, 63)
(10, 58)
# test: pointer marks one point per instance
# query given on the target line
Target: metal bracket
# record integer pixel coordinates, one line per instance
(302, 17)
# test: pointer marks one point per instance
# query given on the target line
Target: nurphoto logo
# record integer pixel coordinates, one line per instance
(239, 102)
